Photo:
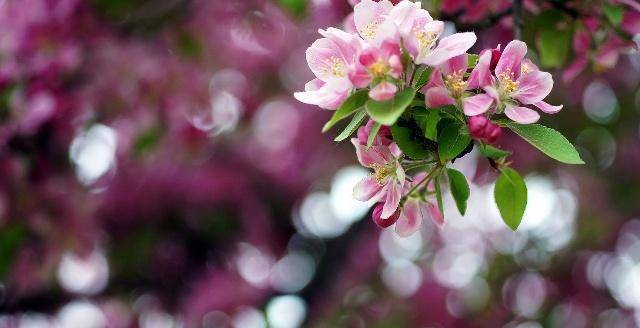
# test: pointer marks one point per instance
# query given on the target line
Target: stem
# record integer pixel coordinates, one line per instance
(517, 19)
(419, 184)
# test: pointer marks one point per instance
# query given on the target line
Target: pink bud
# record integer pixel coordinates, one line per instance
(481, 128)
(384, 134)
(384, 223)
(495, 57)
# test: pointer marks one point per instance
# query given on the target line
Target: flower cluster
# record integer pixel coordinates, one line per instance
(428, 101)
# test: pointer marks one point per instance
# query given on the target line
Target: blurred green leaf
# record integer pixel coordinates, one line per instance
(147, 140)
(492, 152)
(553, 38)
(388, 112)
(510, 193)
(614, 13)
(295, 7)
(10, 239)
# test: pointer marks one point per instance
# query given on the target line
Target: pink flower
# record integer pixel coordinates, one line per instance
(447, 85)
(481, 128)
(386, 182)
(383, 137)
(415, 211)
(329, 59)
(420, 33)
(378, 65)
(370, 18)
(519, 82)
(384, 223)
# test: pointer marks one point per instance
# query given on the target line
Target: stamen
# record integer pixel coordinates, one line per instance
(370, 30)
(337, 67)
(382, 172)
(507, 81)
(379, 69)
(455, 84)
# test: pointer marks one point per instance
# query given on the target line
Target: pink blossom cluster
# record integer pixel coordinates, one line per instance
(390, 48)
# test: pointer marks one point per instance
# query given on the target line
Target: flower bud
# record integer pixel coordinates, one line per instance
(481, 128)
(495, 56)
(384, 134)
(384, 223)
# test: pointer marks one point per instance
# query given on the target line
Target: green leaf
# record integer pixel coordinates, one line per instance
(439, 192)
(510, 193)
(352, 104)
(373, 133)
(614, 13)
(428, 121)
(296, 7)
(547, 140)
(459, 189)
(453, 139)
(422, 75)
(388, 112)
(492, 152)
(355, 123)
(405, 139)
(472, 60)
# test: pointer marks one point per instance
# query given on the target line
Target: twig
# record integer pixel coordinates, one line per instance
(517, 19)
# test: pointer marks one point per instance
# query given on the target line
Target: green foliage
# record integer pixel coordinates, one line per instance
(459, 189)
(614, 13)
(10, 239)
(422, 75)
(547, 140)
(553, 38)
(147, 140)
(492, 152)
(405, 138)
(350, 106)
(439, 192)
(388, 112)
(510, 193)
(428, 120)
(453, 140)
(373, 133)
(355, 123)
(295, 7)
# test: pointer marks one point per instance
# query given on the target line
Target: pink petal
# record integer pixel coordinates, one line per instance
(368, 56)
(389, 48)
(574, 69)
(455, 65)
(437, 97)
(407, 14)
(547, 108)
(450, 46)
(368, 156)
(477, 104)
(522, 115)
(396, 152)
(369, 18)
(394, 193)
(410, 220)
(327, 96)
(481, 74)
(359, 76)
(383, 91)
(367, 189)
(533, 87)
(511, 58)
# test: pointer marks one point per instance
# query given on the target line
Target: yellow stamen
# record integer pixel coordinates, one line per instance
(379, 69)
(508, 84)
(455, 83)
(425, 39)
(382, 172)
(337, 67)
(370, 30)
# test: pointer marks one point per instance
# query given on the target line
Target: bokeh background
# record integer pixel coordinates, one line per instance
(155, 171)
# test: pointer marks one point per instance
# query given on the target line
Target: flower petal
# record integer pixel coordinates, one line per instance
(437, 97)
(370, 21)
(481, 74)
(548, 108)
(511, 58)
(450, 46)
(367, 189)
(394, 193)
(383, 91)
(455, 65)
(522, 115)
(533, 87)
(368, 156)
(323, 95)
(410, 220)
(477, 104)
(436, 214)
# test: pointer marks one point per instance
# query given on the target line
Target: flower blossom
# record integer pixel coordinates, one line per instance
(416, 210)
(420, 34)
(378, 66)
(386, 182)
(329, 59)
(517, 83)
(447, 85)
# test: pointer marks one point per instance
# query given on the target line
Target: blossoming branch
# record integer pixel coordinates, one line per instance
(418, 101)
